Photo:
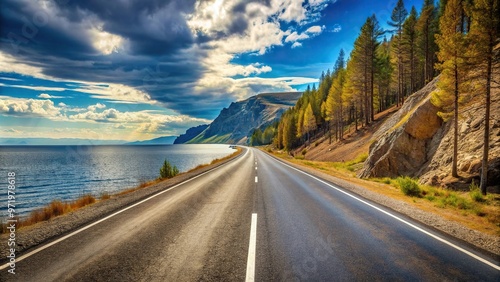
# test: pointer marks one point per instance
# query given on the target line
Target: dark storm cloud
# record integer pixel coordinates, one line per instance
(155, 60)
(152, 27)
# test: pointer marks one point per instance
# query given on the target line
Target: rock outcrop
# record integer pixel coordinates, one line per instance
(417, 143)
(235, 123)
(470, 147)
(403, 142)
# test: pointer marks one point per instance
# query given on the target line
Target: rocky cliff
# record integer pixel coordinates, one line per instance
(417, 143)
(235, 123)
(190, 134)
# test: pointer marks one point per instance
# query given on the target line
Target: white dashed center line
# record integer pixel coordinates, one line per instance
(250, 277)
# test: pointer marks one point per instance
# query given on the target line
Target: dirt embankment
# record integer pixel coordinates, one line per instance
(355, 143)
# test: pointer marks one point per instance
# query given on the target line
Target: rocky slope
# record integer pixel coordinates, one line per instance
(190, 134)
(417, 143)
(235, 123)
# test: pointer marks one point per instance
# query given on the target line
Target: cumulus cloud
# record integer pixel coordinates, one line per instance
(11, 130)
(316, 29)
(48, 96)
(29, 107)
(296, 37)
(93, 108)
(296, 44)
(144, 121)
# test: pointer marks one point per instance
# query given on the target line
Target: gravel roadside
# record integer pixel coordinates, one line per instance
(32, 236)
(484, 242)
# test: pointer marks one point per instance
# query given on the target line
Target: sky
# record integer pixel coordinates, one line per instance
(140, 69)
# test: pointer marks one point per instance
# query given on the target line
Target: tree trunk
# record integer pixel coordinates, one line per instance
(454, 172)
(484, 165)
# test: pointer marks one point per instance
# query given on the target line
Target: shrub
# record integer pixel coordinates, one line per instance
(105, 196)
(409, 186)
(475, 192)
(83, 201)
(168, 171)
(304, 152)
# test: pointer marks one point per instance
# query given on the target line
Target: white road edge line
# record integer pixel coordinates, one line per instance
(397, 218)
(250, 276)
(106, 218)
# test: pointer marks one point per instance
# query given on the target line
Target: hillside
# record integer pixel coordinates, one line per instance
(190, 134)
(414, 141)
(235, 123)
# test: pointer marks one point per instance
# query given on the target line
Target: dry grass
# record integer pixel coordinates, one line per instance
(238, 151)
(54, 209)
(105, 196)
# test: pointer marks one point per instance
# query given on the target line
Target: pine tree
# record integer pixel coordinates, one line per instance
(398, 17)
(484, 35)
(374, 33)
(278, 139)
(409, 45)
(352, 89)
(289, 131)
(426, 29)
(339, 63)
(383, 75)
(335, 103)
(168, 171)
(309, 121)
(452, 49)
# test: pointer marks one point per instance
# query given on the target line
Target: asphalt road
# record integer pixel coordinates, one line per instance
(255, 217)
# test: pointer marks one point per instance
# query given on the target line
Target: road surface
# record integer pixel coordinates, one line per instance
(254, 218)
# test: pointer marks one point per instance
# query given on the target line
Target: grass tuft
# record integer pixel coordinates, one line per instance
(475, 193)
(105, 196)
(409, 186)
(54, 209)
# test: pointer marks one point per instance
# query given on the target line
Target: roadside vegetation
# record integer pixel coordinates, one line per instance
(55, 208)
(471, 202)
(58, 207)
(168, 170)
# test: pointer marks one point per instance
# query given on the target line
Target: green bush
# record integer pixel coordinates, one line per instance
(168, 171)
(409, 186)
(475, 192)
(304, 152)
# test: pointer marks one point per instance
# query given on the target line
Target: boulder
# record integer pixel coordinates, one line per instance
(403, 149)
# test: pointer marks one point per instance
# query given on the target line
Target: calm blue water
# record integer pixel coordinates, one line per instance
(46, 173)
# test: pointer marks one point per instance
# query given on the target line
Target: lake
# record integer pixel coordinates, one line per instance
(46, 173)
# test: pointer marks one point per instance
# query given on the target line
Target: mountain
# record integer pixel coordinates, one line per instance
(190, 134)
(165, 140)
(236, 123)
(56, 142)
